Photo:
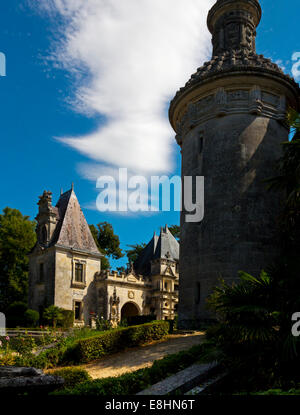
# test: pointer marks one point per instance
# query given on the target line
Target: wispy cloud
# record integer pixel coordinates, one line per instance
(296, 65)
(127, 59)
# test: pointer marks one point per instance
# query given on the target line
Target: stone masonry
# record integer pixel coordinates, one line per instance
(230, 121)
(65, 270)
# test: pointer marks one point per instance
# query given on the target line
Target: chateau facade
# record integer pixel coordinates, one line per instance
(65, 269)
(230, 119)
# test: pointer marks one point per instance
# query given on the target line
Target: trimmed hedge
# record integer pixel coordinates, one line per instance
(92, 348)
(72, 350)
(72, 376)
(134, 382)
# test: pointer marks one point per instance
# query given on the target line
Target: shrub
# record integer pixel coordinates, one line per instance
(79, 348)
(67, 319)
(86, 350)
(103, 324)
(24, 345)
(72, 376)
(7, 359)
(31, 318)
(53, 315)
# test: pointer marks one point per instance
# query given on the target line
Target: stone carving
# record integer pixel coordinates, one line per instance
(238, 95)
(131, 295)
(255, 100)
(224, 102)
(114, 307)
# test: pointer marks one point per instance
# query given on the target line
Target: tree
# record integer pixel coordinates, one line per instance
(134, 252)
(53, 314)
(17, 238)
(175, 231)
(107, 242)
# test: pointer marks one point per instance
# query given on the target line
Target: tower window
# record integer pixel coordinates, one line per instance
(79, 276)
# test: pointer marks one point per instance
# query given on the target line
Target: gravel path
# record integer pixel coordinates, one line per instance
(136, 358)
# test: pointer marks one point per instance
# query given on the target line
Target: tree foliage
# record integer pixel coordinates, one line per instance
(17, 238)
(107, 242)
(53, 315)
(134, 252)
(175, 231)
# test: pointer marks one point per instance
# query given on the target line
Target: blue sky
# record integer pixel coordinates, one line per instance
(54, 88)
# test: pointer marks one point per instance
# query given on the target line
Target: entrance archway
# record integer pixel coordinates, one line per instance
(129, 310)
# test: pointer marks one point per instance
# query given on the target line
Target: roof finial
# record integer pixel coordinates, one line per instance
(61, 191)
(72, 185)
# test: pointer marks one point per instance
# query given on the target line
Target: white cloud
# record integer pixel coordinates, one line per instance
(296, 65)
(128, 58)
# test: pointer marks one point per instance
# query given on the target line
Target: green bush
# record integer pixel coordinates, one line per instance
(24, 345)
(78, 348)
(103, 325)
(31, 318)
(72, 376)
(67, 319)
(53, 315)
(134, 382)
(111, 341)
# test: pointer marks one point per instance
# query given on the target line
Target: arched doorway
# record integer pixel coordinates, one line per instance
(129, 310)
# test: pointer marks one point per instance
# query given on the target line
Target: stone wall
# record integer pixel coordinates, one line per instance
(67, 291)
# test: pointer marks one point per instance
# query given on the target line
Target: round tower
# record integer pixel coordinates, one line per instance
(230, 121)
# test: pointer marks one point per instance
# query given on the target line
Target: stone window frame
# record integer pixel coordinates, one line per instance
(80, 310)
(78, 284)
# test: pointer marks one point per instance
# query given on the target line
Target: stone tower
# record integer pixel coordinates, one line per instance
(230, 121)
(65, 259)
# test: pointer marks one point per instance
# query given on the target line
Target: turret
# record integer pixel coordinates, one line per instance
(46, 218)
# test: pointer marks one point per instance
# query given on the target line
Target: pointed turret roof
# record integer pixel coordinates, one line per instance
(72, 230)
(164, 246)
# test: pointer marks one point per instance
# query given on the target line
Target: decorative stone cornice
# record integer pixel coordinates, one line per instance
(233, 56)
(231, 101)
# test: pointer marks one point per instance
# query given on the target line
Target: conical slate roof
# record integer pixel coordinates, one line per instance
(72, 230)
(164, 246)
